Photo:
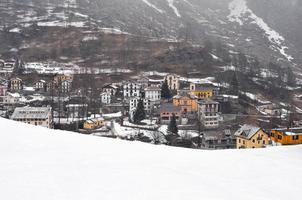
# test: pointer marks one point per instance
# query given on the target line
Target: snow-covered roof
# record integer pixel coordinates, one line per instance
(247, 131)
(31, 113)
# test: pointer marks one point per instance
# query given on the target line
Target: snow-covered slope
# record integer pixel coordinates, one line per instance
(38, 163)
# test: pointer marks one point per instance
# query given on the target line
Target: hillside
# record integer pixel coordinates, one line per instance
(255, 27)
(38, 163)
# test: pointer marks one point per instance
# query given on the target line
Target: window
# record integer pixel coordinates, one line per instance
(296, 137)
(253, 140)
(279, 137)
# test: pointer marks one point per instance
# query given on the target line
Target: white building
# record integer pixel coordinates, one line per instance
(16, 84)
(40, 85)
(11, 99)
(133, 102)
(173, 81)
(66, 86)
(106, 98)
(112, 89)
(131, 89)
(38, 116)
(208, 113)
(153, 94)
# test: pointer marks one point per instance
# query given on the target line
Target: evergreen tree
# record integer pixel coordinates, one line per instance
(172, 128)
(139, 113)
(234, 84)
(290, 77)
(165, 91)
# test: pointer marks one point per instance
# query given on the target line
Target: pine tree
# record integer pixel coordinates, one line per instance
(234, 84)
(139, 113)
(165, 91)
(172, 128)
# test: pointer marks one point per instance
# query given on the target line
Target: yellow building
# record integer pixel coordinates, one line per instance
(201, 92)
(292, 136)
(251, 137)
(92, 124)
(62, 78)
(187, 103)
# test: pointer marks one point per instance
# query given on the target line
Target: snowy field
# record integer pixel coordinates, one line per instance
(38, 163)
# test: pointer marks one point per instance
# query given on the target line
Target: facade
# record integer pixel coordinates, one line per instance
(38, 116)
(218, 140)
(16, 84)
(77, 110)
(208, 113)
(291, 136)
(201, 92)
(11, 99)
(167, 110)
(61, 77)
(111, 89)
(66, 86)
(132, 89)
(41, 85)
(153, 94)
(92, 124)
(173, 81)
(133, 102)
(3, 90)
(251, 137)
(187, 103)
(106, 97)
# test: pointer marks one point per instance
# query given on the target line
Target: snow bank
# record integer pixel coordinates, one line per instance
(38, 163)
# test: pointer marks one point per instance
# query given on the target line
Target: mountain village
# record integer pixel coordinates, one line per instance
(152, 107)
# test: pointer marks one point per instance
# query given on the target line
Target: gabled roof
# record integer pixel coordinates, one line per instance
(31, 113)
(169, 107)
(247, 131)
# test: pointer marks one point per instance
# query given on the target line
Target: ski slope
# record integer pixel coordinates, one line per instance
(38, 163)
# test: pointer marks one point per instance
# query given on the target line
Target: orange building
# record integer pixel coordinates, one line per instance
(187, 103)
(290, 136)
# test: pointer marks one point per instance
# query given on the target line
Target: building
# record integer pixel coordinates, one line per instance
(208, 113)
(133, 102)
(66, 86)
(110, 88)
(106, 97)
(167, 110)
(92, 124)
(132, 89)
(11, 99)
(290, 136)
(61, 77)
(41, 85)
(153, 94)
(201, 92)
(251, 137)
(16, 84)
(173, 81)
(77, 110)
(187, 103)
(218, 140)
(38, 116)
(3, 90)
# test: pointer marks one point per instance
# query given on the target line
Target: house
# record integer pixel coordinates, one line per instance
(110, 88)
(66, 86)
(173, 81)
(208, 113)
(131, 89)
(251, 137)
(167, 110)
(61, 77)
(153, 94)
(218, 140)
(187, 103)
(92, 124)
(3, 90)
(106, 97)
(40, 85)
(201, 92)
(77, 110)
(11, 99)
(38, 116)
(133, 102)
(16, 84)
(287, 136)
